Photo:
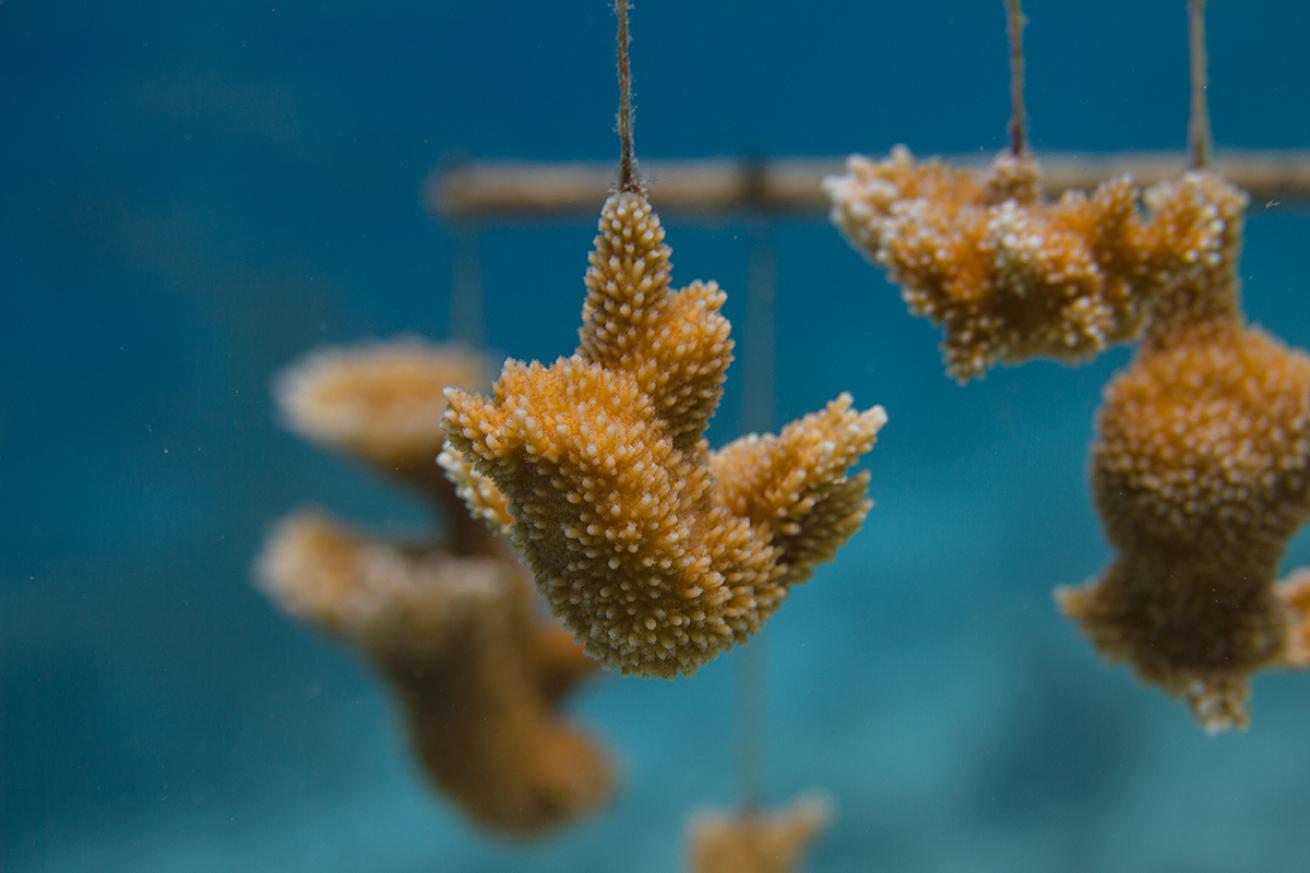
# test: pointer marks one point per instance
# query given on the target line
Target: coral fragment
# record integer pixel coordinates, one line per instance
(1201, 473)
(1008, 275)
(459, 645)
(657, 553)
(450, 623)
(752, 841)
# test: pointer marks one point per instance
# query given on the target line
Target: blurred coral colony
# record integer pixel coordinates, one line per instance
(584, 522)
(449, 622)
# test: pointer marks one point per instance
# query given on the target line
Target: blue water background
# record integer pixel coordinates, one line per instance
(194, 194)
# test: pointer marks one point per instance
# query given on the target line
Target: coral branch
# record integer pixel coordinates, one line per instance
(794, 485)
(381, 403)
(755, 842)
(1193, 240)
(656, 554)
(675, 346)
(455, 638)
(1008, 275)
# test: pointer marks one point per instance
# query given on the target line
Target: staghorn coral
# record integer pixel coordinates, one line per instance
(380, 402)
(451, 624)
(1201, 473)
(657, 553)
(1007, 274)
(755, 842)
(474, 671)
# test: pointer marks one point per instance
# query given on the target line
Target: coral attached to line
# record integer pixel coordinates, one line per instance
(656, 552)
(1008, 275)
(476, 673)
(380, 402)
(450, 622)
(1200, 467)
(1201, 473)
(751, 841)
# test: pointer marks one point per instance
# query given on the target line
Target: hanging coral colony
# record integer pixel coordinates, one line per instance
(658, 554)
(1200, 469)
(449, 621)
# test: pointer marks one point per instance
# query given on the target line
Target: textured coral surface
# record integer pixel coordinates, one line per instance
(1200, 466)
(1008, 275)
(658, 554)
(380, 402)
(1201, 472)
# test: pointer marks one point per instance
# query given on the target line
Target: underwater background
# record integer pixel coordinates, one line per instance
(196, 194)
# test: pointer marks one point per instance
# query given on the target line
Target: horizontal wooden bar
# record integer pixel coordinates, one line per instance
(485, 190)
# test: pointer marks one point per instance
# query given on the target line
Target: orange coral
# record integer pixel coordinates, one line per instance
(1295, 593)
(1008, 275)
(451, 624)
(755, 842)
(658, 554)
(1200, 473)
(381, 403)
(474, 671)
(1200, 468)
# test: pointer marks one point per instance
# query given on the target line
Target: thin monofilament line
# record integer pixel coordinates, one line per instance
(628, 180)
(466, 304)
(1198, 129)
(757, 417)
(1018, 123)
(748, 745)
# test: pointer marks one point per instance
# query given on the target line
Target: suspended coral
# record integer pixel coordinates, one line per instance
(757, 842)
(1009, 275)
(451, 623)
(476, 674)
(1200, 466)
(1201, 473)
(656, 552)
(381, 403)
(1295, 593)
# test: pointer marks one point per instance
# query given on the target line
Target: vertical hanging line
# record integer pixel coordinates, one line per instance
(759, 364)
(628, 180)
(1018, 123)
(757, 416)
(466, 306)
(1198, 129)
(748, 745)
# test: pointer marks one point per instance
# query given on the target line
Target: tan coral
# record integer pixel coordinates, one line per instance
(1201, 473)
(480, 495)
(450, 623)
(657, 554)
(474, 671)
(757, 842)
(1295, 594)
(380, 402)
(1007, 274)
